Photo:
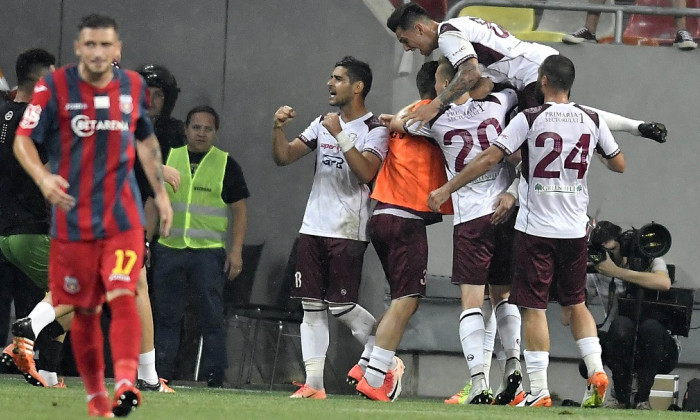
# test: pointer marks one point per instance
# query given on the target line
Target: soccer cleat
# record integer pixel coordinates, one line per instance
(372, 393)
(391, 387)
(510, 388)
(684, 41)
(612, 402)
(7, 356)
(305, 391)
(394, 377)
(126, 399)
(582, 35)
(100, 406)
(643, 405)
(479, 392)
(654, 131)
(59, 384)
(461, 396)
(595, 390)
(355, 375)
(23, 328)
(160, 386)
(23, 356)
(528, 400)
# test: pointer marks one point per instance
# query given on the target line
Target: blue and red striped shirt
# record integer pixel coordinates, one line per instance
(89, 135)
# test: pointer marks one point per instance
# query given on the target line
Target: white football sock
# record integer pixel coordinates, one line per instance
(356, 318)
(489, 337)
(537, 363)
(471, 334)
(509, 322)
(590, 350)
(314, 372)
(147, 367)
(379, 364)
(42, 315)
(367, 352)
(50, 377)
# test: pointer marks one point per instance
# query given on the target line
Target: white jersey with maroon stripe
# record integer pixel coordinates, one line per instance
(557, 142)
(502, 56)
(462, 132)
(339, 204)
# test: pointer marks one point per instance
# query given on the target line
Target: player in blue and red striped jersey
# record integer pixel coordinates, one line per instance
(88, 116)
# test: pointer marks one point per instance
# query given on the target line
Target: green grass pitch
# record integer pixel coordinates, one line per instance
(19, 400)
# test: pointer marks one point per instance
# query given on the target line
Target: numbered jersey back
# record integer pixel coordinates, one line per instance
(557, 142)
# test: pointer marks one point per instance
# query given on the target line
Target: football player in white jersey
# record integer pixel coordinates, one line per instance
(557, 140)
(475, 47)
(350, 147)
(483, 228)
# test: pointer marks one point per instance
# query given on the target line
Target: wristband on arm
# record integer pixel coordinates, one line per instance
(344, 141)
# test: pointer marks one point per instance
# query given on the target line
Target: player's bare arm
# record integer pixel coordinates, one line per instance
(152, 162)
(171, 176)
(52, 186)
(285, 152)
(481, 164)
(615, 164)
(234, 257)
(468, 74)
(503, 208)
(364, 165)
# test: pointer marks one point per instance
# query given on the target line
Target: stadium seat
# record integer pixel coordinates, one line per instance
(279, 315)
(516, 20)
(512, 19)
(566, 21)
(657, 30)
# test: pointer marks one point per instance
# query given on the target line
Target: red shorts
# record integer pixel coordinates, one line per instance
(402, 247)
(482, 252)
(540, 262)
(328, 269)
(80, 273)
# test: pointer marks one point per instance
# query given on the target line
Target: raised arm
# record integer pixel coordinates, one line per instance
(285, 152)
(468, 74)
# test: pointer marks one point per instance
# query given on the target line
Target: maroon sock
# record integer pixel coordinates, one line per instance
(88, 349)
(125, 338)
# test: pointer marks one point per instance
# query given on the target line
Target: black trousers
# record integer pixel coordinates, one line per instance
(656, 353)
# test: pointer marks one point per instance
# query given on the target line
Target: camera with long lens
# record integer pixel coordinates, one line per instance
(640, 246)
(673, 308)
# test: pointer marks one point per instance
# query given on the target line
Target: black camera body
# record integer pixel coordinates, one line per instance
(672, 308)
(640, 246)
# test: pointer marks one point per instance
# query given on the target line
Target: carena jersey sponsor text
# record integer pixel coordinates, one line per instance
(83, 126)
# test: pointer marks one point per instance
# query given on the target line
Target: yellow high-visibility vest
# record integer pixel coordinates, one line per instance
(200, 217)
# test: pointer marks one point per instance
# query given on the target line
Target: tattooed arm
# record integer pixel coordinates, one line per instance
(152, 162)
(468, 74)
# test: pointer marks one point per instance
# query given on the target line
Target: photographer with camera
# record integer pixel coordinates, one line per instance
(623, 262)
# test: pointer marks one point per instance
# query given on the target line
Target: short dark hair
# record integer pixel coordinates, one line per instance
(605, 231)
(405, 16)
(425, 80)
(203, 108)
(560, 72)
(357, 71)
(445, 67)
(30, 66)
(97, 21)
